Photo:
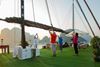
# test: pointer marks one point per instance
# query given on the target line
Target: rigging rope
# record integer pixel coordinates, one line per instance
(0, 2)
(92, 14)
(14, 23)
(55, 14)
(69, 12)
(33, 10)
(81, 19)
(14, 8)
(85, 17)
(18, 8)
(48, 12)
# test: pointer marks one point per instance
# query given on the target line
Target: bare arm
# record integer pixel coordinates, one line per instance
(36, 35)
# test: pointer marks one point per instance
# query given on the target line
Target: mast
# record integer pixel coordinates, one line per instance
(23, 41)
(73, 21)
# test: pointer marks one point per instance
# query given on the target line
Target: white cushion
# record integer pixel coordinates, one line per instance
(24, 53)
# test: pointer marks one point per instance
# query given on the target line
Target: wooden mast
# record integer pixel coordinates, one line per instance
(23, 41)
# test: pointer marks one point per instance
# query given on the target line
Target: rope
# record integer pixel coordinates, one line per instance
(92, 14)
(33, 10)
(18, 8)
(85, 17)
(81, 19)
(69, 12)
(86, 20)
(0, 2)
(48, 12)
(55, 14)
(14, 8)
(14, 15)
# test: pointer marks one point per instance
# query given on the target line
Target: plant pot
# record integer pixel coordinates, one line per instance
(23, 47)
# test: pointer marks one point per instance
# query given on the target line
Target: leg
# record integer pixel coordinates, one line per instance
(2, 50)
(8, 49)
(34, 53)
(54, 50)
(76, 49)
(5, 50)
(61, 48)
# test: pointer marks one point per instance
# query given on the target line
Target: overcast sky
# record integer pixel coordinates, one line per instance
(60, 11)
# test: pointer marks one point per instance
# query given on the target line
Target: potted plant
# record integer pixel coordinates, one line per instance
(95, 42)
(24, 44)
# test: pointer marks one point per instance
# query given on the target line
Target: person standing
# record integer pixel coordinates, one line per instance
(53, 41)
(60, 41)
(75, 43)
(35, 41)
(35, 44)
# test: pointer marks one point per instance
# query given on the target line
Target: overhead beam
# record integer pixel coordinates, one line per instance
(32, 24)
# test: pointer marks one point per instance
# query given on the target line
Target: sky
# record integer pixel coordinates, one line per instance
(60, 11)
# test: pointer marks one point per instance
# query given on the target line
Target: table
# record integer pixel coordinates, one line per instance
(4, 48)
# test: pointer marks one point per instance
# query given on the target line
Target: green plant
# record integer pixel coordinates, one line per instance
(24, 44)
(95, 42)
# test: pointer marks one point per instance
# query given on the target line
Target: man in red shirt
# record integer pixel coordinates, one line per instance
(53, 42)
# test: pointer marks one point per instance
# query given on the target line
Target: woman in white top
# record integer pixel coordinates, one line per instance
(35, 41)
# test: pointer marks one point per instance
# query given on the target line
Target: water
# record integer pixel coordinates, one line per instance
(40, 46)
